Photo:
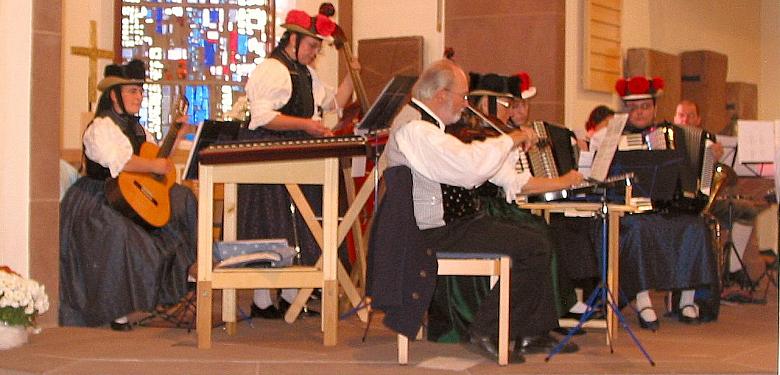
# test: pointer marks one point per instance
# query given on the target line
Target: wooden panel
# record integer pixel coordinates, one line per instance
(381, 59)
(602, 44)
(605, 31)
(604, 63)
(611, 4)
(604, 15)
(529, 35)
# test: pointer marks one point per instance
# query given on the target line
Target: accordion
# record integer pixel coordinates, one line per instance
(554, 155)
(691, 145)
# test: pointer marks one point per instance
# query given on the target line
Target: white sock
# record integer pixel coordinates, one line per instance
(262, 298)
(578, 308)
(645, 307)
(740, 235)
(122, 320)
(686, 299)
(289, 294)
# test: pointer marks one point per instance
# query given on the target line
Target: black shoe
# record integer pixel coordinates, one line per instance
(565, 331)
(542, 344)
(122, 327)
(686, 319)
(270, 312)
(489, 348)
(653, 326)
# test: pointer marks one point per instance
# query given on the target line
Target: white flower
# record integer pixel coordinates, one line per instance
(19, 293)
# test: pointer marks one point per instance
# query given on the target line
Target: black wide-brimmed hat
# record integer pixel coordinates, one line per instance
(517, 86)
(132, 73)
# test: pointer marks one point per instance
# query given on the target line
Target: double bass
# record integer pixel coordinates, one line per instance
(354, 111)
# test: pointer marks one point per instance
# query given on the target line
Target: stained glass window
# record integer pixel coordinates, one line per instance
(202, 49)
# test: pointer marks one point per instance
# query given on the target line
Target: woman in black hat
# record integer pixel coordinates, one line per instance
(111, 266)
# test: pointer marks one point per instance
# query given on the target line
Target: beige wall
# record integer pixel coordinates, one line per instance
(76, 15)
(383, 19)
(15, 89)
(745, 30)
(769, 88)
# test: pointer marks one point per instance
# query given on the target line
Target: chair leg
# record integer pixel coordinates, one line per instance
(503, 315)
(403, 349)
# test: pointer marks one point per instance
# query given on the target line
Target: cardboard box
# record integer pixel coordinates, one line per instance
(651, 63)
(704, 83)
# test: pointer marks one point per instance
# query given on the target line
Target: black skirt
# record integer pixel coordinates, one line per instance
(110, 266)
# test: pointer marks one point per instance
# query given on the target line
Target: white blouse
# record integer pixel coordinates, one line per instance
(445, 159)
(269, 88)
(105, 144)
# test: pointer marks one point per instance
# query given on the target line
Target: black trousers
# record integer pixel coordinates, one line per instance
(532, 306)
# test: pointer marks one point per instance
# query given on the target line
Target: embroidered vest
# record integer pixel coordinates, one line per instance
(458, 202)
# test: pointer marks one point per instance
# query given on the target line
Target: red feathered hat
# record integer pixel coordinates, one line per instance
(319, 26)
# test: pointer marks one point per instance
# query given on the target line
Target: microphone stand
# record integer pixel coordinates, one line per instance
(602, 296)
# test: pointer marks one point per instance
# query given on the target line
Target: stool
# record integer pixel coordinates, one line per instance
(475, 264)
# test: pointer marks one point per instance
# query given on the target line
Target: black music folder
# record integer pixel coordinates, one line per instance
(656, 173)
(209, 132)
(393, 97)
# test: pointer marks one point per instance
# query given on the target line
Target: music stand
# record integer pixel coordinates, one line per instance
(209, 132)
(394, 95)
(601, 168)
(602, 296)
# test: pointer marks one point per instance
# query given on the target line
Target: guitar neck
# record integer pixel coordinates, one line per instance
(170, 139)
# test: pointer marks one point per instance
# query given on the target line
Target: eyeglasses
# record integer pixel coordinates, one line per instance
(644, 106)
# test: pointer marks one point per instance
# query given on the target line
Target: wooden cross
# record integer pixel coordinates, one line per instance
(93, 53)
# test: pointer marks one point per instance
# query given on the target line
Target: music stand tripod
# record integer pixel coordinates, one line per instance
(602, 296)
(728, 248)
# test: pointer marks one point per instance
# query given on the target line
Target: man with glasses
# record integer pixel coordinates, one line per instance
(438, 174)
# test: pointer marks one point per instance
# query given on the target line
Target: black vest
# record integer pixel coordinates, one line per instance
(458, 202)
(130, 127)
(301, 103)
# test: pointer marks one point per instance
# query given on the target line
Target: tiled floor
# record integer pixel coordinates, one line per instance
(743, 341)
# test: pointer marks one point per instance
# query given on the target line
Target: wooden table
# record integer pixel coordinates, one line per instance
(327, 274)
(615, 212)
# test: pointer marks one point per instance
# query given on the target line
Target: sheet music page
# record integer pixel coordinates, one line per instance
(606, 151)
(585, 163)
(756, 141)
(729, 149)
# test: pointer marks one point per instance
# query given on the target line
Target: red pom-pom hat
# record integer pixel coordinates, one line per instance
(319, 26)
(638, 88)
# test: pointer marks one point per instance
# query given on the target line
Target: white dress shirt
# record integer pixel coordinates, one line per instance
(442, 158)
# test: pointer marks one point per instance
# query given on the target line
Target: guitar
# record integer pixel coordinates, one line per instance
(146, 197)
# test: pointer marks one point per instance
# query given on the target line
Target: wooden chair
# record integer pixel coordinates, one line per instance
(475, 264)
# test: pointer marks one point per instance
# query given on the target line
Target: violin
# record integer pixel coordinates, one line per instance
(353, 112)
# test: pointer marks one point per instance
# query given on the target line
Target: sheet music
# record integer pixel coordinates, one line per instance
(729, 149)
(756, 141)
(608, 147)
(585, 163)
